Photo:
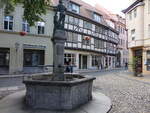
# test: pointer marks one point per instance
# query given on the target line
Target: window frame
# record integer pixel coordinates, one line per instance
(26, 25)
(73, 5)
(133, 34)
(41, 27)
(97, 17)
(8, 26)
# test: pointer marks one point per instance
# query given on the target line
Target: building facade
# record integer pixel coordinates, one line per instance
(122, 48)
(119, 23)
(138, 25)
(20, 53)
(91, 43)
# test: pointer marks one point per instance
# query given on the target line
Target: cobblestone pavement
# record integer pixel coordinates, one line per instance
(127, 95)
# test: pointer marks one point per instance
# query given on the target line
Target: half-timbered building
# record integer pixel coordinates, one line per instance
(91, 43)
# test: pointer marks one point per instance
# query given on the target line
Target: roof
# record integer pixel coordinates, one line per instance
(131, 6)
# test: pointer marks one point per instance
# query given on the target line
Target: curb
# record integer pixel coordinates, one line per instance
(76, 71)
(104, 70)
(14, 88)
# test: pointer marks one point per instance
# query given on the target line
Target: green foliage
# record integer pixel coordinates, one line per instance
(33, 9)
(134, 65)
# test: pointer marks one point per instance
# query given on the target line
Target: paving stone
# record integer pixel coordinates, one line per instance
(127, 95)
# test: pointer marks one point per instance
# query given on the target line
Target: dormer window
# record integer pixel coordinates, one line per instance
(74, 7)
(97, 17)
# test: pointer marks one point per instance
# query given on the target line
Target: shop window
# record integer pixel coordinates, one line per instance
(94, 61)
(148, 60)
(25, 26)
(8, 23)
(33, 57)
(4, 58)
(109, 61)
(41, 27)
(70, 58)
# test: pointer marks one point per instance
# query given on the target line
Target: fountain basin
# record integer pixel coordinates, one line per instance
(43, 93)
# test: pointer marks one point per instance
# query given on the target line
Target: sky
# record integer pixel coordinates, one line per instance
(115, 6)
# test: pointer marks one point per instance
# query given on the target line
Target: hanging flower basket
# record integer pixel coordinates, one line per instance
(87, 38)
(22, 33)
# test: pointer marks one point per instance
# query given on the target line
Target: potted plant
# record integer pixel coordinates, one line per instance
(135, 66)
(137, 70)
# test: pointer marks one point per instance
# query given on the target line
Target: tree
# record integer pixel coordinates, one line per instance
(33, 9)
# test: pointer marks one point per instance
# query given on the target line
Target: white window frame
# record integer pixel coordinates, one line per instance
(74, 7)
(133, 34)
(42, 25)
(135, 13)
(8, 20)
(130, 15)
(97, 17)
(26, 25)
(72, 58)
(148, 30)
(148, 6)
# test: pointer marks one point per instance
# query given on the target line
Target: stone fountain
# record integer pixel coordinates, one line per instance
(58, 91)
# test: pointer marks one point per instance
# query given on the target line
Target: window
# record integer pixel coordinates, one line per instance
(72, 37)
(135, 13)
(73, 20)
(97, 17)
(97, 29)
(133, 34)
(25, 26)
(70, 58)
(74, 7)
(33, 57)
(8, 23)
(41, 27)
(149, 30)
(99, 44)
(130, 16)
(87, 25)
(148, 6)
(76, 21)
(86, 40)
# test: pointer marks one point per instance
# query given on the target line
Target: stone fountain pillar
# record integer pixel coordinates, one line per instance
(53, 91)
(58, 55)
(59, 38)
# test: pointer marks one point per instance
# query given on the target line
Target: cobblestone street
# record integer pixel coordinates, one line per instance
(127, 95)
